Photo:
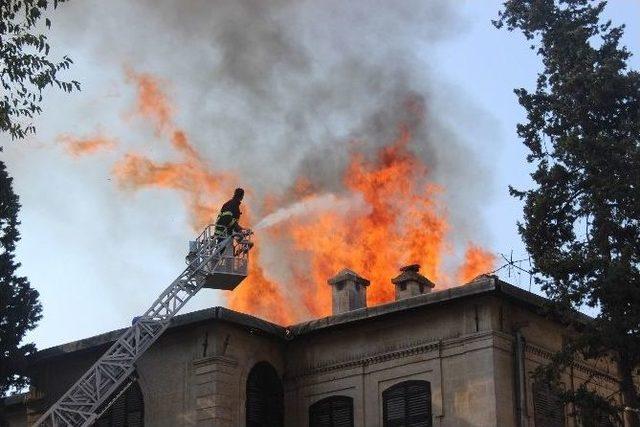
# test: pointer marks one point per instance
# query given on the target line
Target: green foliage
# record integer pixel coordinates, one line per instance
(582, 218)
(19, 306)
(25, 68)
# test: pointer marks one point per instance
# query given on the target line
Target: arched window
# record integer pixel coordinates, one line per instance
(264, 407)
(547, 406)
(407, 404)
(334, 411)
(126, 411)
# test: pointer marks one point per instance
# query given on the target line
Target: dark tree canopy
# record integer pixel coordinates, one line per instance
(25, 67)
(19, 306)
(26, 70)
(582, 218)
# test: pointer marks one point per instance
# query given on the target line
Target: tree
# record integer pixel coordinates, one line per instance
(25, 71)
(19, 306)
(582, 218)
(25, 68)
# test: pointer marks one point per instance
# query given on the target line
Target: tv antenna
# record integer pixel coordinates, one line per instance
(514, 267)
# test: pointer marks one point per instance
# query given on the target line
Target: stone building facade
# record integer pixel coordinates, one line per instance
(456, 357)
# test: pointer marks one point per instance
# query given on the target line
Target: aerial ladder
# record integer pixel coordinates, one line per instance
(215, 260)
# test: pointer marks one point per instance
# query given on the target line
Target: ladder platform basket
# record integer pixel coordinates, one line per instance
(227, 270)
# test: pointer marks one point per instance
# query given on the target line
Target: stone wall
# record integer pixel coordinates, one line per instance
(195, 375)
(542, 338)
(451, 346)
(192, 376)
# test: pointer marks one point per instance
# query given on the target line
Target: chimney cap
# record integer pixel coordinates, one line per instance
(411, 267)
(347, 274)
(410, 273)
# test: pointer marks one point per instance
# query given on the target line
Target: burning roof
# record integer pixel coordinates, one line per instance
(387, 212)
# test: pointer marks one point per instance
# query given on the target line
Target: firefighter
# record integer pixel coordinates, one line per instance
(227, 221)
(227, 224)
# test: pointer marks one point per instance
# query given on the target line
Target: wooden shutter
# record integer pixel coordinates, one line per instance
(407, 404)
(547, 406)
(126, 411)
(334, 411)
(595, 418)
(604, 421)
(256, 403)
(135, 407)
(264, 397)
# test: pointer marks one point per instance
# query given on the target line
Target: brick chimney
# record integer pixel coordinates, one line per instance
(409, 283)
(349, 291)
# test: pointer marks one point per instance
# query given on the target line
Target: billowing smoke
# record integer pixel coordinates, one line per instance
(278, 97)
(272, 86)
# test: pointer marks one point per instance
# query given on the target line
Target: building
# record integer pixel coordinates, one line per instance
(456, 357)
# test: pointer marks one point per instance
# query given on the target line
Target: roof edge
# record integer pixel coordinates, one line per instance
(213, 313)
(482, 285)
(474, 288)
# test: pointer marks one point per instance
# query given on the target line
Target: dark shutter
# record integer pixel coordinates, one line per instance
(547, 406)
(407, 404)
(126, 411)
(135, 407)
(334, 411)
(594, 417)
(264, 404)
(119, 411)
(256, 403)
(603, 421)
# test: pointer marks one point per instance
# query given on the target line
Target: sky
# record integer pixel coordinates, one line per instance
(266, 92)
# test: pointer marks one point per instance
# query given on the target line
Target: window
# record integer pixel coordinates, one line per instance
(547, 406)
(126, 411)
(264, 404)
(407, 404)
(599, 421)
(334, 411)
(591, 414)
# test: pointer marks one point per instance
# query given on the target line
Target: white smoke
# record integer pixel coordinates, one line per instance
(314, 204)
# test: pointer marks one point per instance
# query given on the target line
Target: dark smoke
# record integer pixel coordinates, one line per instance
(272, 89)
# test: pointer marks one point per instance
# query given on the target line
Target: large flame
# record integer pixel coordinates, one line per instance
(201, 187)
(402, 223)
(388, 214)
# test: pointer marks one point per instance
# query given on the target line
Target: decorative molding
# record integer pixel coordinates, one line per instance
(538, 351)
(391, 353)
(588, 370)
(221, 360)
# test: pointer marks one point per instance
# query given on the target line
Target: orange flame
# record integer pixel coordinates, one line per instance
(261, 296)
(476, 261)
(78, 147)
(202, 188)
(404, 223)
(152, 103)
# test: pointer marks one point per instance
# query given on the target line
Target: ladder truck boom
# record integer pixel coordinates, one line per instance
(217, 261)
